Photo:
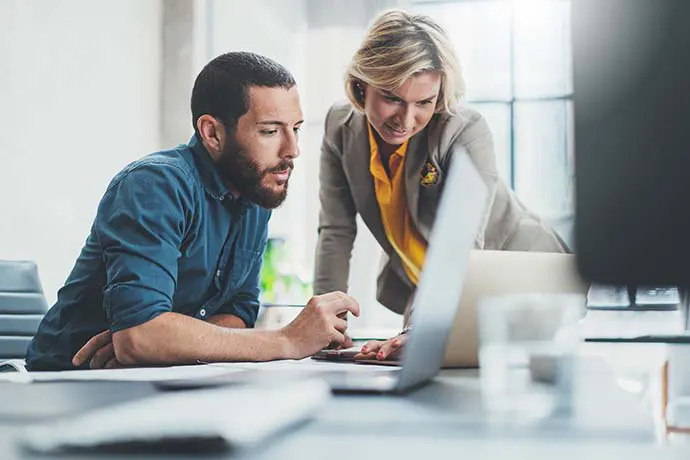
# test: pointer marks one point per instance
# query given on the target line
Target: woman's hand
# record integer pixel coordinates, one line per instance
(383, 349)
(391, 348)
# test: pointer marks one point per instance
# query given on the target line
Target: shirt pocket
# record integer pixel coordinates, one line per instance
(244, 263)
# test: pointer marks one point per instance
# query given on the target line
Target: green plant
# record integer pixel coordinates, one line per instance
(276, 273)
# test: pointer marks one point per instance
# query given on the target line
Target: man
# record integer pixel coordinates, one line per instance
(170, 271)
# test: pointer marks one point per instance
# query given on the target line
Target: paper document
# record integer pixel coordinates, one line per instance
(306, 365)
(140, 374)
(177, 373)
(236, 416)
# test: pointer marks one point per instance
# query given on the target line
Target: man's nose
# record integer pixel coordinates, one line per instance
(291, 146)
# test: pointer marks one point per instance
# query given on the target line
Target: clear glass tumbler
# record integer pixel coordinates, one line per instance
(527, 345)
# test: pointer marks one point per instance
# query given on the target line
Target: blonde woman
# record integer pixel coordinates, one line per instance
(385, 155)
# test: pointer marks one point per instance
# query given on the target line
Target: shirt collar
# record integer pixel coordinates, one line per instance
(375, 162)
(210, 176)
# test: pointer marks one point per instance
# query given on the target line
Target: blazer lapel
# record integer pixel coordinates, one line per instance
(415, 159)
(356, 159)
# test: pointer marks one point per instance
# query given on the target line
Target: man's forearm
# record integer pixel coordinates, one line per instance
(173, 338)
(229, 321)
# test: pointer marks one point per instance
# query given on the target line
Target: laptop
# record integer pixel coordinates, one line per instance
(491, 273)
(440, 287)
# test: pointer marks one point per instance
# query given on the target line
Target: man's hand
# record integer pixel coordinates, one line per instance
(383, 349)
(348, 341)
(319, 324)
(98, 352)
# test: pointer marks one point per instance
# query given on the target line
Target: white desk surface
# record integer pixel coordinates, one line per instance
(444, 419)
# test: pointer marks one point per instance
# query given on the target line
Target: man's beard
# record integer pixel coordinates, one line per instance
(245, 175)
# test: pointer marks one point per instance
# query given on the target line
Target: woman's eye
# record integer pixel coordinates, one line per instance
(392, 99)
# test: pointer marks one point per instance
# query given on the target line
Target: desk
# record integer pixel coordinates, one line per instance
(442, 420)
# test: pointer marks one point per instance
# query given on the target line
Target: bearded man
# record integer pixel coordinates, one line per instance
(169, 273)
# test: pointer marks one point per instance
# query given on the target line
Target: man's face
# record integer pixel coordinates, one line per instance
(257, 158)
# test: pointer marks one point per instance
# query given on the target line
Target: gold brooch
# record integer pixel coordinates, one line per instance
(429, 175)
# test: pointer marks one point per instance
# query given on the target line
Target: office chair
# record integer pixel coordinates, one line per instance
(22, 306)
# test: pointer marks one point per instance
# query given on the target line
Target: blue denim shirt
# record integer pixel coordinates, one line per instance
(168, 236)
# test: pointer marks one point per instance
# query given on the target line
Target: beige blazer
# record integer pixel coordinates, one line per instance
(347, 188)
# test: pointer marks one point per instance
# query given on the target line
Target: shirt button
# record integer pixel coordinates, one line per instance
(217, 273)
(202, 312)
(222, 197)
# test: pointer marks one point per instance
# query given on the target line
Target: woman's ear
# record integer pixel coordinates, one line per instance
(359, 91)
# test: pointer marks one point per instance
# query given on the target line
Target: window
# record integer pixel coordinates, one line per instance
(516, 60)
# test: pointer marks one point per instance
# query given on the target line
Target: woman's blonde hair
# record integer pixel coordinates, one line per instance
(397, 46)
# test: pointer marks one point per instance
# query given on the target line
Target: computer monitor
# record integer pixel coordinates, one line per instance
(631, 75)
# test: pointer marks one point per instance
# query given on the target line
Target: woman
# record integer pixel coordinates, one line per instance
(385, 155)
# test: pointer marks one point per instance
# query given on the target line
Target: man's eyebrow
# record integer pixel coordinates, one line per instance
(270, 122)
(276, 122)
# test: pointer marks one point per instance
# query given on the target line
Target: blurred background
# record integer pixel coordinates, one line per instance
(86, 86)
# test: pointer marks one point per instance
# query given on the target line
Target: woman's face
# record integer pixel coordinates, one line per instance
(397, 116)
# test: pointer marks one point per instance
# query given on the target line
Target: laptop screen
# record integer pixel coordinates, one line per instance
(461, 209)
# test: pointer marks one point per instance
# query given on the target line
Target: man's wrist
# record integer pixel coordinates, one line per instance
(286, 348)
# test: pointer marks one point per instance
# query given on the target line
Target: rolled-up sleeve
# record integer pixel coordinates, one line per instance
(140, 225)
(245, 302)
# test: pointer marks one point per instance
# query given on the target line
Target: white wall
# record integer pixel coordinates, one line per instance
(79, 99)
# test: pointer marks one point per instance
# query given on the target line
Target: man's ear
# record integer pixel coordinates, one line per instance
(212, 134)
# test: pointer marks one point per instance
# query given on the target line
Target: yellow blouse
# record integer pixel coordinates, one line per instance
(390, 194)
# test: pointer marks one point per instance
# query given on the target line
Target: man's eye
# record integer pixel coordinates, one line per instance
(268, 132)
(297, 129)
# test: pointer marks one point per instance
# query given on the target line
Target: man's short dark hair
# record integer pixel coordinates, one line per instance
(221, 88)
